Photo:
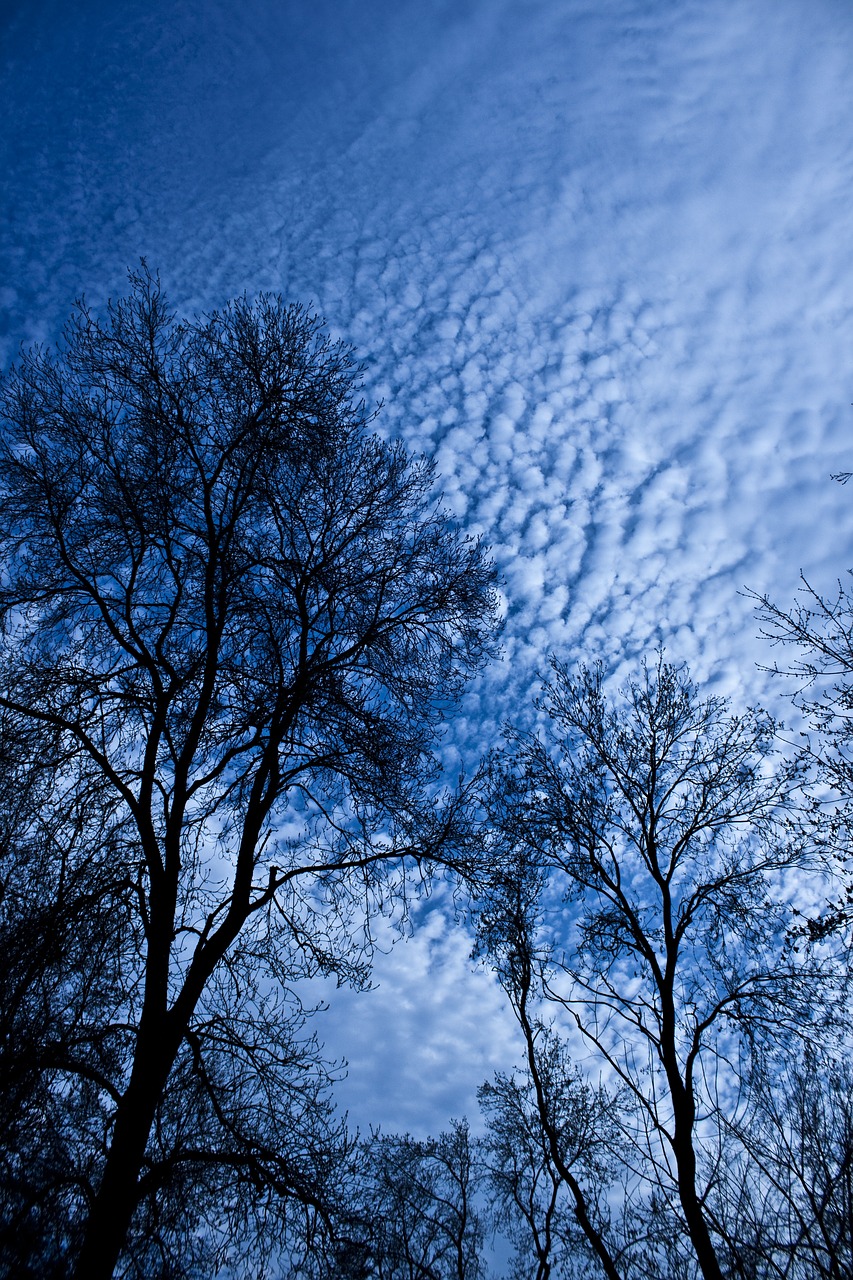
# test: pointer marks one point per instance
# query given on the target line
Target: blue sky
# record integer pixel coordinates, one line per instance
(597, 256)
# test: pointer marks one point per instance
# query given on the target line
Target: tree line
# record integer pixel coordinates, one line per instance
(235, 620)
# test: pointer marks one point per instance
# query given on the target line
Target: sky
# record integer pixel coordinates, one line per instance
(597, 258)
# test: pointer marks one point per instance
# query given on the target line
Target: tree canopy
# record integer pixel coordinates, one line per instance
(237, 618)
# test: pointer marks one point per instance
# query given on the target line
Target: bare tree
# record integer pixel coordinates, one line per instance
(537, 1198)
(509, 920)
(62, 912)
(242, 616)
(418, 1202)
(653, 839)
(783, 1190)
(819, 631)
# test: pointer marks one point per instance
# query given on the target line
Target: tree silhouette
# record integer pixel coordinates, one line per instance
(639, 852)
(242, 617)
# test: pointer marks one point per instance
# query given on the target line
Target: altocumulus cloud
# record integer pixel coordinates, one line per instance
(598, 260)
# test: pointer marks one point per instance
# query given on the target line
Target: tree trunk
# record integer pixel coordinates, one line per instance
(113, 1208)
(700, 1237)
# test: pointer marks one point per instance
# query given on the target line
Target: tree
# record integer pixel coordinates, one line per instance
(62, 912)
(821, 628)
(509, 917)
(551, 1135)
(783, 1199)
(242, 616)
(642, 851)
(417, 1201)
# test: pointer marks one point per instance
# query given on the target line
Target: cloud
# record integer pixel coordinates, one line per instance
(598, 258)
(433, 1029)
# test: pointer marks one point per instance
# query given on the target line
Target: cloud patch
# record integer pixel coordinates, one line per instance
(597, 258)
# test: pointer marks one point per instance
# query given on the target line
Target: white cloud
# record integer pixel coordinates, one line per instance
(430, 1032)
(599, 258)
